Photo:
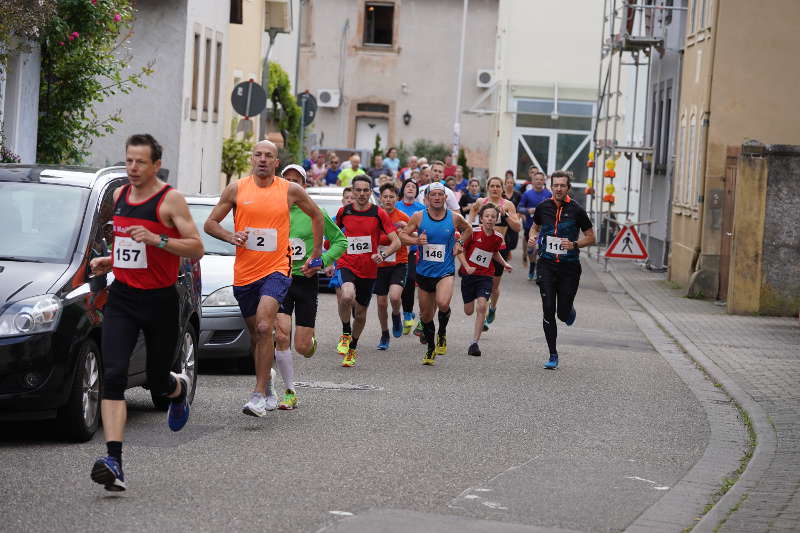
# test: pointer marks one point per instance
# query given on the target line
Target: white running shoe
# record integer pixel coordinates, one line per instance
(257, 406)
(272, 398)
(271, 402)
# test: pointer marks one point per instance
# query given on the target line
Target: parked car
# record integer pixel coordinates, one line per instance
(54, 221)
(223, 333)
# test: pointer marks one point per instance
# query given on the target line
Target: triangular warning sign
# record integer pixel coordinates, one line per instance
(627, 245)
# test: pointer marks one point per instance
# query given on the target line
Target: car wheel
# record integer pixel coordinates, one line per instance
(80, 417)
(186, 363)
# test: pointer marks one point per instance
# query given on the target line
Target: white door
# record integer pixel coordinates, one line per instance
(367, 129)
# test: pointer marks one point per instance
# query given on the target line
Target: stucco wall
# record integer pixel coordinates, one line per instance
(418, 76)
(19, 103)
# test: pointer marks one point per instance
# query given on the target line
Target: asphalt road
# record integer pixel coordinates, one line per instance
(496, 438)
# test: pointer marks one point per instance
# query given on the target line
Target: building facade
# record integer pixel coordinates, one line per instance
(181, 105)
(732, 89)
(546, 86)
(390, 68)
(19, 103)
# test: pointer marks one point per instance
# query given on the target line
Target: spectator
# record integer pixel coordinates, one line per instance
(310, 161)
(346, 176)
(449, 167)
(422, 161)
(509, 193)
(377, 169)
(413, 164)
(509, 174)
(461, 183)
(318, 170)
(424, 175)
(332, 174)
(380, 182)
(470, 196)
(450, 183)
(391, 161)
(414, 176)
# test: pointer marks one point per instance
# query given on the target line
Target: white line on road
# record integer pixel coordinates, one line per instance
(637, 478)
(341, 513)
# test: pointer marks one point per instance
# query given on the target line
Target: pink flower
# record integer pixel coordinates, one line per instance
(70, 37)
(76, 34)
(94, 2)
(117, 17)
(61, 43)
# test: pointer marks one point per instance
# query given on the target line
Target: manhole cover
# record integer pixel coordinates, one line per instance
(327, 385)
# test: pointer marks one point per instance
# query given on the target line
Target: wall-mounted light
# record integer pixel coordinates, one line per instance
(406, 118)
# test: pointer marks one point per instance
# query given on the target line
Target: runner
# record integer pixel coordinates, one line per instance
(508, 219)
(537, 194)
(362, 224)
(477, 270)
(439, 246)
(331, 271)
(302, 294)
(261, 204)
(409, 205)
(153, 229)
(436, 172)
(391, 272)
(556, 224)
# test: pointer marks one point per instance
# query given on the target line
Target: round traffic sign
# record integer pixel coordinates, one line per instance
(308, 103)
(249, 98)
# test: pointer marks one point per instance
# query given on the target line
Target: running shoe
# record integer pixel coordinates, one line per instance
(344, 343)
(384, 343)
(485, 326)
(531, 275)
(490, 315)
(256, 406)
(289, 401)
(271, 400)
(572, 316)
(418, 330)
(178, 411)
(350, 359)
(430, 357)
(313, 348)
(441, 345)
(397, 326)
(474, 350)
(552, 364)
(408, 323)
(108, 472)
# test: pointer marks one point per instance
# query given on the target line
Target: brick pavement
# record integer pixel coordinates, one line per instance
(762, 356)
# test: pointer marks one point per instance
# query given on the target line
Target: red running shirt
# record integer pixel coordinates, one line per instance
(401, 255)
(363, 230)
(135, 263)
(479, 250)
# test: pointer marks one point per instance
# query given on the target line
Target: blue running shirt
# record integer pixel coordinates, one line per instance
(435, 259)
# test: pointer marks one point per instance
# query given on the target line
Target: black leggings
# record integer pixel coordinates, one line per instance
(558, 285)
(129, 310)
(408, 289)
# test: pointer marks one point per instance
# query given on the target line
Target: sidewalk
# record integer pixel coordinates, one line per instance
(757, 360)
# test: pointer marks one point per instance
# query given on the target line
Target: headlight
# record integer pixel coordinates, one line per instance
(33, 315)
(221, 298)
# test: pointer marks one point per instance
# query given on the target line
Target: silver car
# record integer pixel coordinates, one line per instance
(223, 333)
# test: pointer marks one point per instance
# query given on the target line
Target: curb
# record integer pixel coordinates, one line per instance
(766, 442)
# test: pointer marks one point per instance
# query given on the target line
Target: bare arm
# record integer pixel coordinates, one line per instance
(406, 234)
(533, 236)
(500, 259)
(174, 210)
(464, 227)
(588, 239)
(212, 226)
(511, 217)
(297, 196)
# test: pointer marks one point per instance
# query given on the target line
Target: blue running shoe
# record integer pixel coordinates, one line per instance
(178, 413)
(108, 472)
(571, 319)
(384, 343)
(397, 326)
(552, 364)
(490, 315)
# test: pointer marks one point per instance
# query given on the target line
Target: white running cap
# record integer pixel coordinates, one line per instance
(298, 168)
(435, 186)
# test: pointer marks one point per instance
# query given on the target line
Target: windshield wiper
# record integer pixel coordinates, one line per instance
(19, 260)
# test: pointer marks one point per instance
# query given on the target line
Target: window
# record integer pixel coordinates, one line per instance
(378, 24)
(659, 122)
(667, 123)
(693, 16)
(680, 183)
(237, 14)
(195, 74)
(691, 148)
(373, 108)
(668, 16)
(206, 79)
(702, 14)
(217, 75)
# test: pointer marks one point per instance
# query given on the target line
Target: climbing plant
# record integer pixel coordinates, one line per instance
(21, 24)
(84, 62)
(287, 113)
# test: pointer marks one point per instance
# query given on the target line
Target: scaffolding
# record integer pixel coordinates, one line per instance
(631, 33)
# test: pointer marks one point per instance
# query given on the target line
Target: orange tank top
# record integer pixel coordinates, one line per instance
(264, 212)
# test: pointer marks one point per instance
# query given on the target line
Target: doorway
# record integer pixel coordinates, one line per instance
(367, 129)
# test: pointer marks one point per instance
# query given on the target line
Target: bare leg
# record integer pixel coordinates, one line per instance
(480, 316)
(261, 326)
(303, 339)
(359, 321)
(495, 291)
(114, 414)
(395, 298)
(347, 297)
(383, 312)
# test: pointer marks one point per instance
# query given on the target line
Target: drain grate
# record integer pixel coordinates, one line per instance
(327, 385)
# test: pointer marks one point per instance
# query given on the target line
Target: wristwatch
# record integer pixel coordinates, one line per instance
(164, 241)
(460, 242)
(383, 255)
(575, 244)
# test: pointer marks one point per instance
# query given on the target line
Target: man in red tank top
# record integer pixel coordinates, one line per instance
(262, 272)
(152, 230)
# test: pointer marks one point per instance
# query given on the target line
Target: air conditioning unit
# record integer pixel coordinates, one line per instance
(278, 16)
(328, 97)
(485, 78)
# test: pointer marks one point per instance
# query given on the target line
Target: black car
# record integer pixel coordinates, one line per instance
(54, 220)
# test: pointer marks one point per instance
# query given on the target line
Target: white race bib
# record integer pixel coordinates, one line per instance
(129, 253)
(262, 239)
(298, 248)
(359, 245)
(481, 257)
(553, 246)
(433, 253)
(389, 258)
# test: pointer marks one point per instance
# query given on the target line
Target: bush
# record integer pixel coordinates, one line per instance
(236, 155)
(429, 149)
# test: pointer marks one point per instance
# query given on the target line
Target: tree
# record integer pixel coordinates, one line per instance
(377, 149)
(462, 162)
(431, 150)
(288, 116)
(82, 64)
(236, 155)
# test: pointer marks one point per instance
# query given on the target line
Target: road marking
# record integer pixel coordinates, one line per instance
(496, 506)
(637, 478)
(327, 385)
(661, 488)
(471, 497)
(340, 513)
(482, 490)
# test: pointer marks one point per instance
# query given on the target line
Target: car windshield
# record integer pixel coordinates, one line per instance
(212, 245)
(40, 222)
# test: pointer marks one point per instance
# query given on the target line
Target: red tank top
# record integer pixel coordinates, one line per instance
(135, 263)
